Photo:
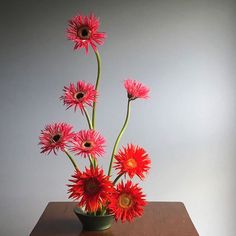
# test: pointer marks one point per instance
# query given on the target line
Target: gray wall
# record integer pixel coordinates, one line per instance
(185, 52)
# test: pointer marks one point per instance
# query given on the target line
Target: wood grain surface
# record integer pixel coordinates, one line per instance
(159, 219)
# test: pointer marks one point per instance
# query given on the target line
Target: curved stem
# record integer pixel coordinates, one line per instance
(119, 137)
(96, 87)
(117, 178)
(88, 118)
(71, 159)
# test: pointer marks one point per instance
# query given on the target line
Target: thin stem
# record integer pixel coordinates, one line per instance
(88, 118)
(91, 161)
(96, 87)
(117, 178)
(103, 211)
(95, 162)
(71, 159)
(119, 137)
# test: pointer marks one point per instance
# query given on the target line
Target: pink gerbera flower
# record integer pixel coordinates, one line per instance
(55, 137)
(127, 202)
(83, 30)
(136, 89)
(133, 160)
(88, 142)
(79, 95)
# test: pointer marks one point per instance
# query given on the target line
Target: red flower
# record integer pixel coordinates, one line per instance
(79, 95)
(55, 137)
(136, 89)
(83, 30)
(127, 202)
(132, 160)
(88, 142)
(92, 188)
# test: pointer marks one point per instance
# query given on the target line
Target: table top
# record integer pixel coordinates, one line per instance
(159, 219)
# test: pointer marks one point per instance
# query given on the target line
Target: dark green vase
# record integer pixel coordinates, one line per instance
(94, 223)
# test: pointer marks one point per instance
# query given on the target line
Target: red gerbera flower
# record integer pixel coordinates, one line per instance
(88, 142)
(136, 89)
(132, 160)
(92, 188)
(83, 30)
(79, 95)
(127, 202)
(55, 137)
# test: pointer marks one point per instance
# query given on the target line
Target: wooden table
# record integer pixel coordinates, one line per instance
(159, 219)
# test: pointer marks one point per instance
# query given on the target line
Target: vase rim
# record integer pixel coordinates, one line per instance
(78, 210)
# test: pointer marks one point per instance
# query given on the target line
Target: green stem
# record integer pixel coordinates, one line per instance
(103, 211)
(71, 159)
(96, 87)
(91, 161)
(88, 118)
(94, 162)
(119, 137)
(117, 178)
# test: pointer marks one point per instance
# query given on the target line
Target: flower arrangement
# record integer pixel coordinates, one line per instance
(98, 193)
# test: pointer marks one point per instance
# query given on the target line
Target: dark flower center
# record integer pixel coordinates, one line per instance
(91, 187)
(56, 138)
(87, 144)
(84, 32)
(79, 95)
(131, 97)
